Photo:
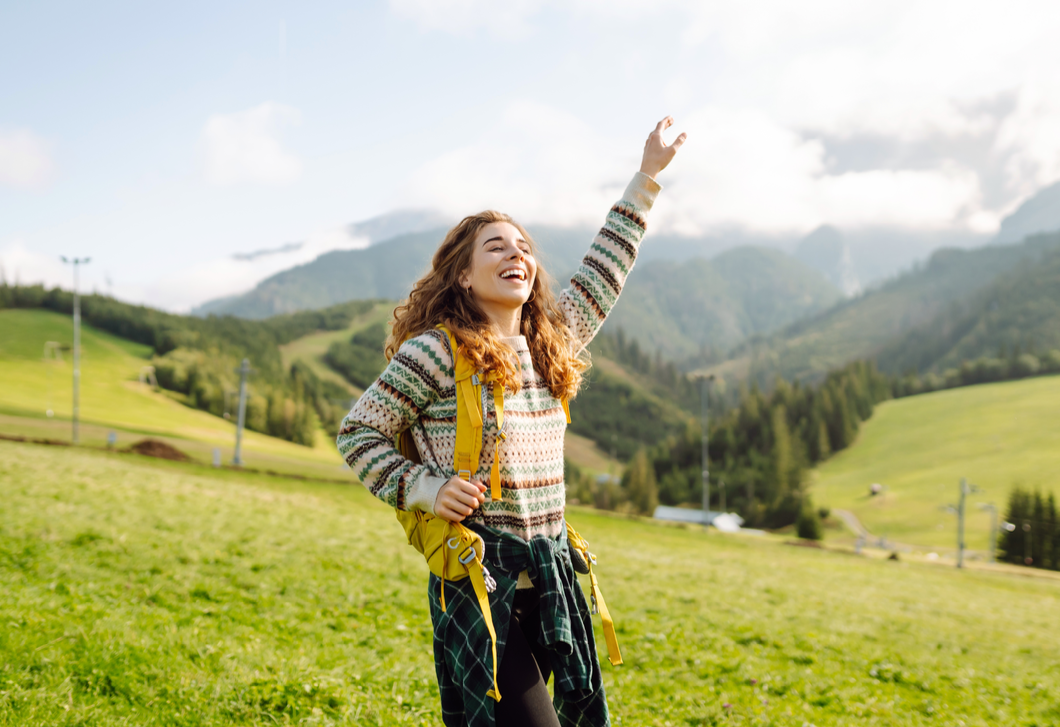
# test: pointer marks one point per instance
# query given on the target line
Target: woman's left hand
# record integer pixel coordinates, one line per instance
(656, 154)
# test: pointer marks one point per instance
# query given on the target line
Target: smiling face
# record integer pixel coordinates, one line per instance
(503, 268)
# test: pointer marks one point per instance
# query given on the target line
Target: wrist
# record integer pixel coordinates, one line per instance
(648, 171)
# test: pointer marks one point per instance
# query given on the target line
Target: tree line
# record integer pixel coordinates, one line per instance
(1034, 537)
(1006, 366)
(760, 450)
(197, 357)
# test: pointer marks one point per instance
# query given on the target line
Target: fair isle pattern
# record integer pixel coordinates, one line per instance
(418, 390)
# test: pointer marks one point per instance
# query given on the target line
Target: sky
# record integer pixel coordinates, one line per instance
(162, 139)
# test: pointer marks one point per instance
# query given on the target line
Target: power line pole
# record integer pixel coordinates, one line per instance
(704, 398)
(244, 372)
(967, 488)
(77, 262)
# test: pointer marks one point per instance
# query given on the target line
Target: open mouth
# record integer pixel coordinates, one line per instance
(514, 274)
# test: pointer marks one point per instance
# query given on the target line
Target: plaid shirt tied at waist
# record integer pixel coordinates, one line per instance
(462, 655)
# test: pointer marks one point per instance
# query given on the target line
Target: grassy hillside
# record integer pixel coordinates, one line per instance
(860, 328)
(996, 435)
(311, 349)
(145, 593)
(113, 398)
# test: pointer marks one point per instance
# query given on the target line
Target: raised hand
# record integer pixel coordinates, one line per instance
(458, 498)
(656, 154)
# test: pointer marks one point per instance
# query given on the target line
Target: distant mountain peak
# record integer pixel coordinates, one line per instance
(1040, 213)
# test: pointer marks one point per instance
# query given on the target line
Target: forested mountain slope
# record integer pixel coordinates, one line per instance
(1019, 312)
(863, 327)
(677, 308)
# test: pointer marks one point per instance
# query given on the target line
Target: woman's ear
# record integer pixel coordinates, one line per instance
(465, 280)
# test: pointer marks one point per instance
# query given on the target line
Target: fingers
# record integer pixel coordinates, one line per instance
(458, 498)
(663, 125)
(679, 141)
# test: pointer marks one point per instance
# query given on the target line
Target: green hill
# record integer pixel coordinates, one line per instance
(996, 435)
(138, 592)
(113, 398)
(864, 326)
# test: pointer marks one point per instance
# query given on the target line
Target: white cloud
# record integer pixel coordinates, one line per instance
(25, 160)
(245, 147)
(535, 162)
(23, 265)
(739, 168)
(764, 88)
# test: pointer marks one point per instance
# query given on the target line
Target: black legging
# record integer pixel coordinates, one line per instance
(525, 669)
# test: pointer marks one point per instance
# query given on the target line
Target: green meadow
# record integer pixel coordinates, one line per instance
(143, 592)
(918, 448)
(113, 398)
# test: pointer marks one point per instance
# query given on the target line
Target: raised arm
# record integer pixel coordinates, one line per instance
(596, 285)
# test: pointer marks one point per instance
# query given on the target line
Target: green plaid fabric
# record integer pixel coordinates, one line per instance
(462, 656)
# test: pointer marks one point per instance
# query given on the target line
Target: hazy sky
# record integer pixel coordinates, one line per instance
(161, 140)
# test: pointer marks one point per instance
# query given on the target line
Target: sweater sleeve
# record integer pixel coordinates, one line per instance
(411, 382)
(596, 284)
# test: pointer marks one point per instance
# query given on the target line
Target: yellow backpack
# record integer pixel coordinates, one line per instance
(435, 537)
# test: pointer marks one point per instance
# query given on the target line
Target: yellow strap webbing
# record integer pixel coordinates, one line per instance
(474, 569)
(495, 470)
(614, 655)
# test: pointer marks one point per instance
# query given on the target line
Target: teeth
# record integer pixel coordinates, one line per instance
(514, 274)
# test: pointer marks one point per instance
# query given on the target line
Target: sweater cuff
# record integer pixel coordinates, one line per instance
(424, 491)
(642, 191)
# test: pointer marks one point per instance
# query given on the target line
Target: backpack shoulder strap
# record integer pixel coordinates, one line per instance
(468, 412)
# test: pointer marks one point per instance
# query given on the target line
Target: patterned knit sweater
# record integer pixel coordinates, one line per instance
(418, 390)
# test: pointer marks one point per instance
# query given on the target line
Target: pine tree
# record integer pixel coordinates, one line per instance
(640, 484)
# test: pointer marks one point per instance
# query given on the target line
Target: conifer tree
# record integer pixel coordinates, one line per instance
(639, 482)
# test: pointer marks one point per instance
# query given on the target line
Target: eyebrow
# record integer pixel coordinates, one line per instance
(498, 237)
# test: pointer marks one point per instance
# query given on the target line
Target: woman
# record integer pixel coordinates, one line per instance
(486, 287)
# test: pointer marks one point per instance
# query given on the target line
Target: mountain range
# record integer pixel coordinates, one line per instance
(695, 298)
(960, 304)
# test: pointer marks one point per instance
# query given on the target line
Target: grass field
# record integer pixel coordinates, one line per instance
(311, 348)
(996, 435)
(113, 398)
(135, 591)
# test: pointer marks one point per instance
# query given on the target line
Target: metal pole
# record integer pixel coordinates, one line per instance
(960, 523)
(77, 354)
(77, 262)
(704, 404)
(244, 371)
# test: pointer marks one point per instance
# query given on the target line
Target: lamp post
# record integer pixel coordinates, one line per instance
(704, 398)
(77, 262)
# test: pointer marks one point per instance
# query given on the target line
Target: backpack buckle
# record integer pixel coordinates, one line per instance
(468, 556)
(464, 475)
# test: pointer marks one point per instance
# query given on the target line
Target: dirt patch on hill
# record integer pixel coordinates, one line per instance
(158, 448)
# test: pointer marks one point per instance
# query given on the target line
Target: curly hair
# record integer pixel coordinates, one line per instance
(438, 297)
